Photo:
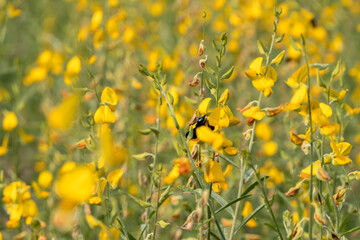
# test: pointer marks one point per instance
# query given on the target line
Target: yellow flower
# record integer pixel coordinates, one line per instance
(45, 179)
(96, 20)
(73, 69)
(263, 131)
(10, 121)
(305, 173)
(299, 97)
(270, 148)
(181, 167)
(76, 185)
(114, 177)
(264, 84)
(224, 97)
(3, 147)
(298, 77)
(254, 113)
(206, 135)
(104, 114)
(62, 116)
(341, 151)
(254, 68)
(247, 210)
(213, 174)
(37, 74)
(204, 106)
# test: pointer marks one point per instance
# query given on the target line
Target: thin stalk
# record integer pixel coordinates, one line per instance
(237, 207)
(209, 214)
(155, 154)
(157, 207)
(311, 144)
(251, 143)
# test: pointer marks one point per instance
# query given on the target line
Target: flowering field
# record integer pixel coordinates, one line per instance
(159, 119)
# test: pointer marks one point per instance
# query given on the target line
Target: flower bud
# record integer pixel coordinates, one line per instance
(319, 216)
(339, 195)
(295, 138)
(305, 146)
(271, 112)
(201, 48)
(294, 190)
(247, 134)
(202, 63)
(322, 175)
(196, 80)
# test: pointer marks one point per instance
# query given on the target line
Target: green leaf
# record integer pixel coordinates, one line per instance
(145, 131)
(232, 202)
(302, 39)
(261, 48)
(143, 156)
(190, 101)
(320, 66)
(162, 224)
(350, 231)
(171, 98)
(165, 193)
(278, 59)
(209, 83)
(279, 39)
(155, 131)
(210, 70)
(215, 46)
(319, 80)
(222, 202)
(228, 74)
(337, 69)
(252, 186)
(258, 209)
(228, 160)
(295, 45)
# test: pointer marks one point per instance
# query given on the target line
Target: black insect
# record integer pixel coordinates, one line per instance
(200, 121)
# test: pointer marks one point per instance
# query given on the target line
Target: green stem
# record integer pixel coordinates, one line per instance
(311, 144)
(157, 206)
(237, 207)
(209, 214)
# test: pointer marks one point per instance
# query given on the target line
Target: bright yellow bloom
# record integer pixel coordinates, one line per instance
(254, 112)
(181, 167)
(96, 20)
(299, 97)
(341, 151)
(305, 173)
(37, 74)
(300, 76)
(206, 135)
(104, 114)
(270, 148)
(10, 121)
(204, 106)
(213, 174)
(114, 177)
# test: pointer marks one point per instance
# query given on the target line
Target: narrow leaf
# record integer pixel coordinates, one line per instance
(232, 202)
(258, 209)
(222, 202)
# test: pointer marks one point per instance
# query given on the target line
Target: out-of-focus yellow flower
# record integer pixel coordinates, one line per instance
(3, 147)
(45, 179)
(16, 197)
(25, 138)
(96, 20)
(62, 116)
(10, 121)
(12, 11)
(39, 193)
(73, 69)
(114, 177)
(270, 148)
(247, 210)
(76, 185)
(254, 113)
(156, 9)
(263, 131)
(181, 167)
(129, 34)
(36, 74)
